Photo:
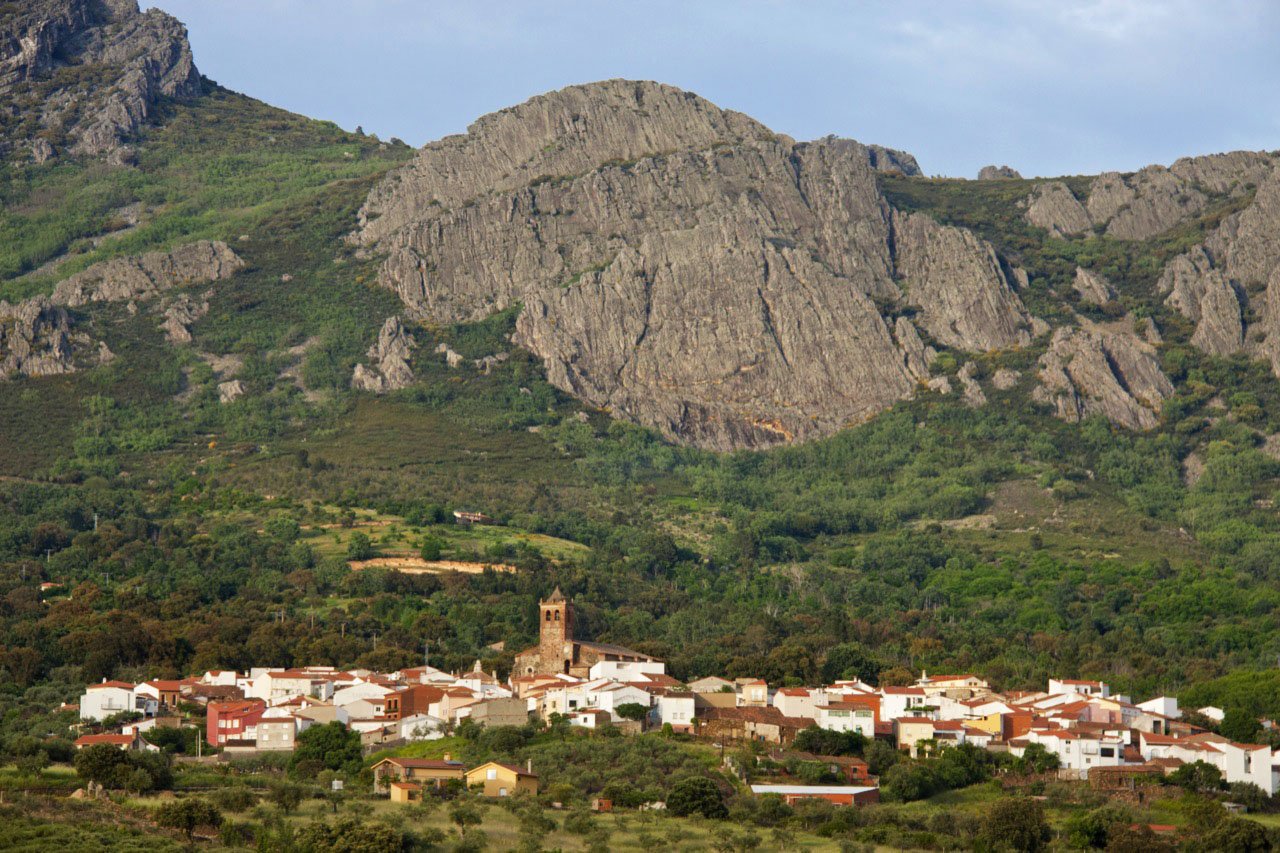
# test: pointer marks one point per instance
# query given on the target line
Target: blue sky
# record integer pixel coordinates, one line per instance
(1048, 86)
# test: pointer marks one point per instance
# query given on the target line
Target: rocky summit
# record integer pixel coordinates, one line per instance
(80, 76)
(686, 267)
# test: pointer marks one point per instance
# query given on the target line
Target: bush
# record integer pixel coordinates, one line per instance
(696, 796)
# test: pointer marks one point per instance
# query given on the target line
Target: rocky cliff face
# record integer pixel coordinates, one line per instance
(1147, 202)
(684, 266)
(82, 75)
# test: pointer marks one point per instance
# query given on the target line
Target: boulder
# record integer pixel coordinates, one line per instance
(993, 173)
(231, 391)
(1005, 379)
(1092, 287)
(973, 394)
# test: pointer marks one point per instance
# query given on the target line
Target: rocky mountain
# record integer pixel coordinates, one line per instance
(81, 75)
(686, 267)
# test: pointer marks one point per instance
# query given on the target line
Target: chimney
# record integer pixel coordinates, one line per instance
(529, 766)
(448, 757)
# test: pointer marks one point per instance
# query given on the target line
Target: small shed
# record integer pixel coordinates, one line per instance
(405, 792)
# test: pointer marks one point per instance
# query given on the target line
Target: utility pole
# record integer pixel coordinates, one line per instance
(95, 522)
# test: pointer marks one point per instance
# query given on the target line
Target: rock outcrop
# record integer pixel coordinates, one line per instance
(147, 276)
(1094, 372)
(1053, 207)
(181, 313)
(102, 65)
(683, 265)
(1203, 294)
(390, 354)
(1093, 287)
(34, 339)
(973, 393)
(40, 343)
(229, 392)
(1148, 202)
(994, 173)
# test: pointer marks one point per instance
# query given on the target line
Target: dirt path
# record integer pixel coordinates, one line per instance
(419, 566)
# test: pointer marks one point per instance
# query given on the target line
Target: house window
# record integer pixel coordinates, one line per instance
(502, 792)
(491, 774)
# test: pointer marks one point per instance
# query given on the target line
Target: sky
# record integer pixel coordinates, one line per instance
(1050, 87)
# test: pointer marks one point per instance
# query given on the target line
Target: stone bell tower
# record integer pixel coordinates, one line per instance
(555, 632)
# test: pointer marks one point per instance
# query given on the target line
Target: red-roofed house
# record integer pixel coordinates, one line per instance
(166, 693)
(122, 742)
(232, 721)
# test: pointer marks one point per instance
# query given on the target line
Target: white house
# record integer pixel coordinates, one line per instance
(1084, 688)
(112, 697)
(1212, 712)
(1080, 750)
(421, 727)
(623, 670)
(1166, 706)
(220, 677)
(369, 691)
(1239, 762)
(799, 701)
(676, 709)
(902, 702)
(847, 716)
(272, 686)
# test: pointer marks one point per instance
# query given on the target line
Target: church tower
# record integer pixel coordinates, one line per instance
(555, 632)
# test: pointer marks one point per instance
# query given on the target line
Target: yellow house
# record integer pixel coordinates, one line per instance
(989, 723)
(502, 780)
(912, 730)
(405, 792)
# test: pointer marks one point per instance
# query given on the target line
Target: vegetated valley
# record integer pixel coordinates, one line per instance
(221, 465)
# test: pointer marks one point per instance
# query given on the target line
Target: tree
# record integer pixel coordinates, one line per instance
(1196, 777)
(188, 815)
(100, 762)
(283, 528)
(1240, 726)
(359, 547)
(465, 813)
(631, 711)
(432, 547)
(286, 795)
(1237, 835)
(821, 741)
(696, 795)
(559, 725)
(33, 764)
(849, 661)
(1038, 759)
(332, 744)
(1017, 822)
